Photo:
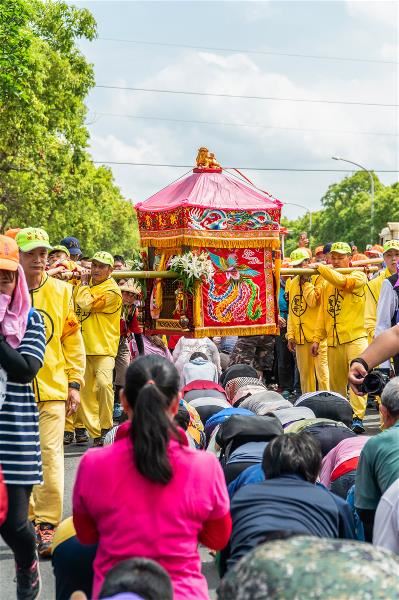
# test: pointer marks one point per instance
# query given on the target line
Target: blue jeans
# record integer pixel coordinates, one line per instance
(342, 485)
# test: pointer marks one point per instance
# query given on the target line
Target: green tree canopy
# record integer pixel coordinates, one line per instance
(346, 213)
(47, 177)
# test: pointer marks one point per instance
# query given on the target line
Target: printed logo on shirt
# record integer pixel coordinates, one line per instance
(298, 305)
(48, 324)
(82, 316)
(334, 305)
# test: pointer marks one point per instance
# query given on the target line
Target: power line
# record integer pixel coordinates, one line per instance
(240, 96)
(249, 125)
(250, 51)
(292, 170)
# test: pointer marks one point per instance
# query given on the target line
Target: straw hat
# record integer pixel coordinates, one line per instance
(131, 286)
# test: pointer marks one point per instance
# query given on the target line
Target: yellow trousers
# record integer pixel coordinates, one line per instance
(339, 358)
(97, 396)
(312, 367)
(47, 499)
(74, 421)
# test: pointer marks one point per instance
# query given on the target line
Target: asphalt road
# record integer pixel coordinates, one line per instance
(7, 572)
(72, 455)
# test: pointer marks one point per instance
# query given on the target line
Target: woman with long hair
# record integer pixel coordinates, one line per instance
(150, 494)
(22, 346)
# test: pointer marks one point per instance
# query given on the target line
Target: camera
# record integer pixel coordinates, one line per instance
(374, 382)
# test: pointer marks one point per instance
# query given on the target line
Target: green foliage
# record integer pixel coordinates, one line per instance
(46, 175)
(346, 213)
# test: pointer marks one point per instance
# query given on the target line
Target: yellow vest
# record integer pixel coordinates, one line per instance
(99, 311)
(64, 359)
(341, 312)
(373, 291)
(303, 307)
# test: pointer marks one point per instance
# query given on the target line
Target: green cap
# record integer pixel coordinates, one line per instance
(341, 248)
(61, 249)
(298, 256)
(31, 238)
(391, 245)
(104, 257)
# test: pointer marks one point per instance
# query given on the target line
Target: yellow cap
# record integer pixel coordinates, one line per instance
(391, 245)
(341, 248)
(298, 256)
(104, 257)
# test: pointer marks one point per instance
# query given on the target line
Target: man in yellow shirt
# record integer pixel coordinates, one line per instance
(58, 382)
(98, 306)
(304, 293)
(373, 288)
(341, 319)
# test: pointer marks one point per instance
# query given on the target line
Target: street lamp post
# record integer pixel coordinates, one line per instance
(371, 190)
(305, 208)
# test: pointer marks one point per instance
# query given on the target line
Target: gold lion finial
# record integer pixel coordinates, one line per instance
(206, 159)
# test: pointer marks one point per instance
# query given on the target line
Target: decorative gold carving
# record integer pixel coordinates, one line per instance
(206, 159)
(170, 324)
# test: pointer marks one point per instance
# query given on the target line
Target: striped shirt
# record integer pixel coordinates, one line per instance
(20, 456)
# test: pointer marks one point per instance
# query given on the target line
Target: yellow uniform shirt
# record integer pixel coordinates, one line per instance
(341, 312)
(303, 307)
(373, 291)
(99, 310)
(64, 359)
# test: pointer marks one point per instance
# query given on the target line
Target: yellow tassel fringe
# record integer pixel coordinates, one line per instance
(211, 242)
(236, 330)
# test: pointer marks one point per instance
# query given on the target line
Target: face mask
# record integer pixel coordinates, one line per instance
(5, 301)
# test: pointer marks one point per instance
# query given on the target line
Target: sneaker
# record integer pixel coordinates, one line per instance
(37, 527)
(103, 434)
(98, 442)
(81, 436)
(117, 412)
(28, 582)
(45, 533)
(69, 436)
(357, 425)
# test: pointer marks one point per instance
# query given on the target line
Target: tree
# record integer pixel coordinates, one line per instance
(47, 177)
(346, 212)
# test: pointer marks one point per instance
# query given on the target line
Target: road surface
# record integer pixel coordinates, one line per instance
(72, 455)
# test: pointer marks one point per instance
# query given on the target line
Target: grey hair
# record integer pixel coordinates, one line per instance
(390, 396)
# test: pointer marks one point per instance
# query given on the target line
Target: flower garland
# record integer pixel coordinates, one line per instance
(191, 268)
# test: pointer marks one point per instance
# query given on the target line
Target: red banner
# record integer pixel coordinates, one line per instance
(241, 294)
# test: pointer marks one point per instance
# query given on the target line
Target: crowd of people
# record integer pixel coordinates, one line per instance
(253, 447)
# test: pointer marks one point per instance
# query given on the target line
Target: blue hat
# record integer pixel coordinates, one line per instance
(72, 244)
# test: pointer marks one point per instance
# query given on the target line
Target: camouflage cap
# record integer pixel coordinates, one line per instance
(298, 256)
(341, 248)
(131, 286)
(313, 568)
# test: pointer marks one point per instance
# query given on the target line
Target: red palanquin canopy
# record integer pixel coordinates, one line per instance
(209, 208)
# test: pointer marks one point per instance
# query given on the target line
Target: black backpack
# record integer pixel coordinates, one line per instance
(328, 406)
(241, 429)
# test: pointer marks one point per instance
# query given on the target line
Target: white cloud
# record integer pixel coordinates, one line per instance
(168, 142)
(383, 11)
(390, 51)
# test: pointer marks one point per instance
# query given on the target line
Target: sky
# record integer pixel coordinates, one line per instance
(245, 132)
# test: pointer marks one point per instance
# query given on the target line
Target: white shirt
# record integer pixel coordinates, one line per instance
(386, 523)
(386, 308)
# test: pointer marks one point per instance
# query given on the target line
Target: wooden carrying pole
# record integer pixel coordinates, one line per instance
(173, 275)
(345, 271)
(144, 275)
